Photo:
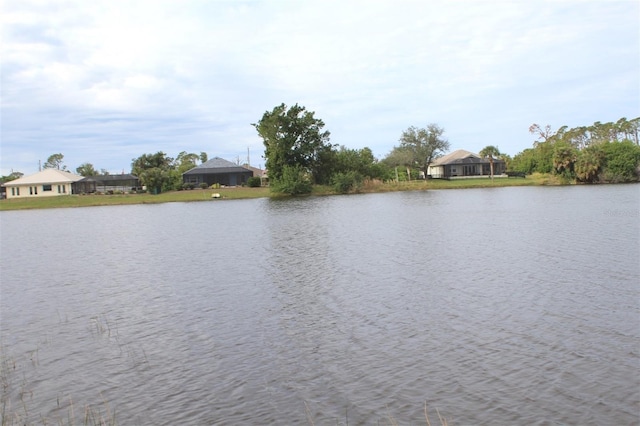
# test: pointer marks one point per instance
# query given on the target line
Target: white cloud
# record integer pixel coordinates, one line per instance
(78, 77)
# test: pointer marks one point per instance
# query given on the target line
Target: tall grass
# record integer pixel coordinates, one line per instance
(389, 419)
(17, 393)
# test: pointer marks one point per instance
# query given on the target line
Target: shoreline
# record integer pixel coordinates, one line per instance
(238, 193)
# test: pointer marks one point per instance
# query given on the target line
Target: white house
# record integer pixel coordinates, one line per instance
(47, 183)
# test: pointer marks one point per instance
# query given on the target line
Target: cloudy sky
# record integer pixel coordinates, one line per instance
(105, 81)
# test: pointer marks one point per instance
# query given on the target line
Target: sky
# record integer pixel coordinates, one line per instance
(105, 81)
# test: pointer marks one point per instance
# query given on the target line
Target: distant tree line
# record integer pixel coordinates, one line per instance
(299, 154)
(602, 152)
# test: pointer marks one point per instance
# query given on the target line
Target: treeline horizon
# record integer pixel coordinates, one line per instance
(603, 152)
(600, 153)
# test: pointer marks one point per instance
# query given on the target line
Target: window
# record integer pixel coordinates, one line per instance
(59, 190)
(30, 190)
(64, 189)
(46, 188)
(18, 191)
(13, 192)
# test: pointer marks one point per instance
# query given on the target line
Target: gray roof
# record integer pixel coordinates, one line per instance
(110, 178)
(217, 165)
(455, 157)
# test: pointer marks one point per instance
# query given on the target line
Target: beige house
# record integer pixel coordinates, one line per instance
(47, 183)
(461, 164)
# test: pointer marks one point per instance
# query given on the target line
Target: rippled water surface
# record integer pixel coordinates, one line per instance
(494, 306)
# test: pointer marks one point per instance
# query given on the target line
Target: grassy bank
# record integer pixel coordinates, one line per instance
(436, 184)
(121, 199)
(244, 193)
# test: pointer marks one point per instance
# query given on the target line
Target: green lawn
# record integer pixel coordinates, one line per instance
(119, 199)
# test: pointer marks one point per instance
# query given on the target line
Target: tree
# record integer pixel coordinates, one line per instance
(507, 160)
(293, 137)
(622, 162)
(360, 161)
(149, 161)
(185, 161)
(400, 156)
(203, 157)
(601, 152)
(352, 167)
(153, 170)
(634, 129)
(543, 133)
(524, 161)
(55, 162)
(11, 176)
(564, 157)
(588, 165)
(491, 152)
(424, 145)
(155, 179)
(86, 169)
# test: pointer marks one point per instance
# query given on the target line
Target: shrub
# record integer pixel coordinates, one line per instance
(622, 161)
(294, 181)
(204, 185)
(254, 182)
(346, 182)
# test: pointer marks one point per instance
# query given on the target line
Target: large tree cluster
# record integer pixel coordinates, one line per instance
(159, 172)
(298, 153)
(602, 152)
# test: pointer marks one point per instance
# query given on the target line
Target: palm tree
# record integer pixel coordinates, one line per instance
(589, 164)
(490, 152)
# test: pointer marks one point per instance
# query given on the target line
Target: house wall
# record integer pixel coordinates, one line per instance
(38, 190)
(435, 172)
(465, 169)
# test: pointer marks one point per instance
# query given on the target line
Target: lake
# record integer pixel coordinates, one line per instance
(512, 305)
